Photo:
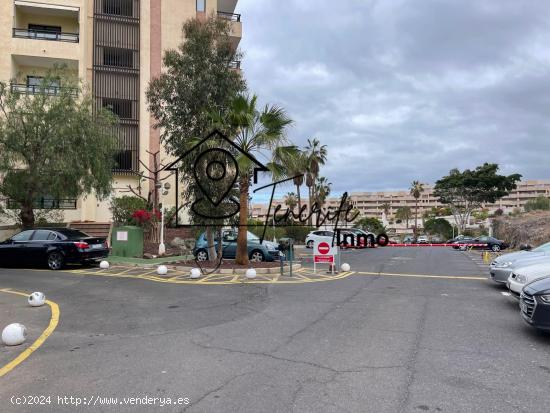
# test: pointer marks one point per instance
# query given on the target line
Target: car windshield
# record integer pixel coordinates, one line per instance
(252, 237)
(72, 233)
(542, 248)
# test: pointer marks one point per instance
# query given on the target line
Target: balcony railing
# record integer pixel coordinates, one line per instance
(45, 203)
(229, 16)
(235, 64)
(37, 89)
(46, 35)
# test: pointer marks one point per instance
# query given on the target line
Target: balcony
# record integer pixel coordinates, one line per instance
(37, 89)
(236, 27)
(42, 34)
(233, 17)
(235, 64)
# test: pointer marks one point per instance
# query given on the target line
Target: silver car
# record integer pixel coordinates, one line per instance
(502, 267)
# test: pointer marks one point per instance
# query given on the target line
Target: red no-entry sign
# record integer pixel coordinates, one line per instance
(323, 253)
(323, 248)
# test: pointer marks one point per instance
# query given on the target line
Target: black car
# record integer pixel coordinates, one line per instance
(534, 304)
(483, 243)
(52, 246)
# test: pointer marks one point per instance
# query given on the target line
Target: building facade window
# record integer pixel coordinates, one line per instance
(201, 6)
(117, 57)
(118, 7)
(45, 32)
(120, 107)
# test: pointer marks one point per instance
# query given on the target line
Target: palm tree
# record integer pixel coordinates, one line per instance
(403, 213)
(386, 207)
(291, 200)
(416, 190)
(316, 155)
(290, 162)
(253, 131)
(322, 190)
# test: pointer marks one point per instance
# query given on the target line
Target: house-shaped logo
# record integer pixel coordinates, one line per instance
(215, 172)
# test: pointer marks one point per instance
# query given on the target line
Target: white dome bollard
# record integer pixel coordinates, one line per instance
(162, 270)
(251, 273)
(195, 273)
(345, 267)
(104, 265)
(14, 334)
(36, 299)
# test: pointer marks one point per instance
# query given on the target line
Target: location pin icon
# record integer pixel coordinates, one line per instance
(215, 172)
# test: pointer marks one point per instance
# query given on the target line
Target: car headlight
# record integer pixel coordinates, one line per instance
(522, 279)
(503, 264)
(545, 298)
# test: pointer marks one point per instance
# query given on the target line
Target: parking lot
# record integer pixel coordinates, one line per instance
(410, 330)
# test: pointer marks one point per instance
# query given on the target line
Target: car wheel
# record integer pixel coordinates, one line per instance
(202, 255)
(495, 247)
(309, 244)
(256, 256)
(55, 261)
(463, 248)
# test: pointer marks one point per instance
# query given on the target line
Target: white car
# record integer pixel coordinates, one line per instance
(524, 275)
(318, 236)
(423, 239)
(502, 267)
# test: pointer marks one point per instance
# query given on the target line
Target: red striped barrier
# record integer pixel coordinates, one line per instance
(436, 245)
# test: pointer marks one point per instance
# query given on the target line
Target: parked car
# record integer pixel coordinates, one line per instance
(318, 236)
(53, 247)
(534, 304)
(408, 239)
(459, 243)
(524, 275)
(423, 239)
(257, 252)
(484, 243)
(502, 267)
(436, 239)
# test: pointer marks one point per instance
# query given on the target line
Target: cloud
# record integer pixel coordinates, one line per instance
(402, 90)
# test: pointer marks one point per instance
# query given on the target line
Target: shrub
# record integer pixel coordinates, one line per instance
(122, 209)
(438, 226)
(540, 203)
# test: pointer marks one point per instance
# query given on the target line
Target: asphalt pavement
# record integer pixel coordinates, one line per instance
(414, 330)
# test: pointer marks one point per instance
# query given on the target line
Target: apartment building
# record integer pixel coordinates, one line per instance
(371, 204)
(116, 47)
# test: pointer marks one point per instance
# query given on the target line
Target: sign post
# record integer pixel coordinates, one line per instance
(324, 253)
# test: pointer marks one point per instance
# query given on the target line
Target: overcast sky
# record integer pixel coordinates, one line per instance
(403, 90)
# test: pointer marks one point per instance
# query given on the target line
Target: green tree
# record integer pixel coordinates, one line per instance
(253, 131)
(195, 81)
(53, 145)
(373, 225)
(466, 191)
(386, 207)
(292, 163)
(541, 203)
(438, 226)
(416, 190)
(316, 155)
(291, 200)
(404, 213)
(322, 190)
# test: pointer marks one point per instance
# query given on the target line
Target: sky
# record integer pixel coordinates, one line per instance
(406, 90)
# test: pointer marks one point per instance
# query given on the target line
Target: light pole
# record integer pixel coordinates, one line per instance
(164, 192)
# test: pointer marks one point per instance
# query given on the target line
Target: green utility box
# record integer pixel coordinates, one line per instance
(127, 242)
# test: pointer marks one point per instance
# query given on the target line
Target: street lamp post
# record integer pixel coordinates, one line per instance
(164, 192)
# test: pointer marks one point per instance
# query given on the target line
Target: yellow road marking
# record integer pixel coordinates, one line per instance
(449, 277)
(54, 320)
